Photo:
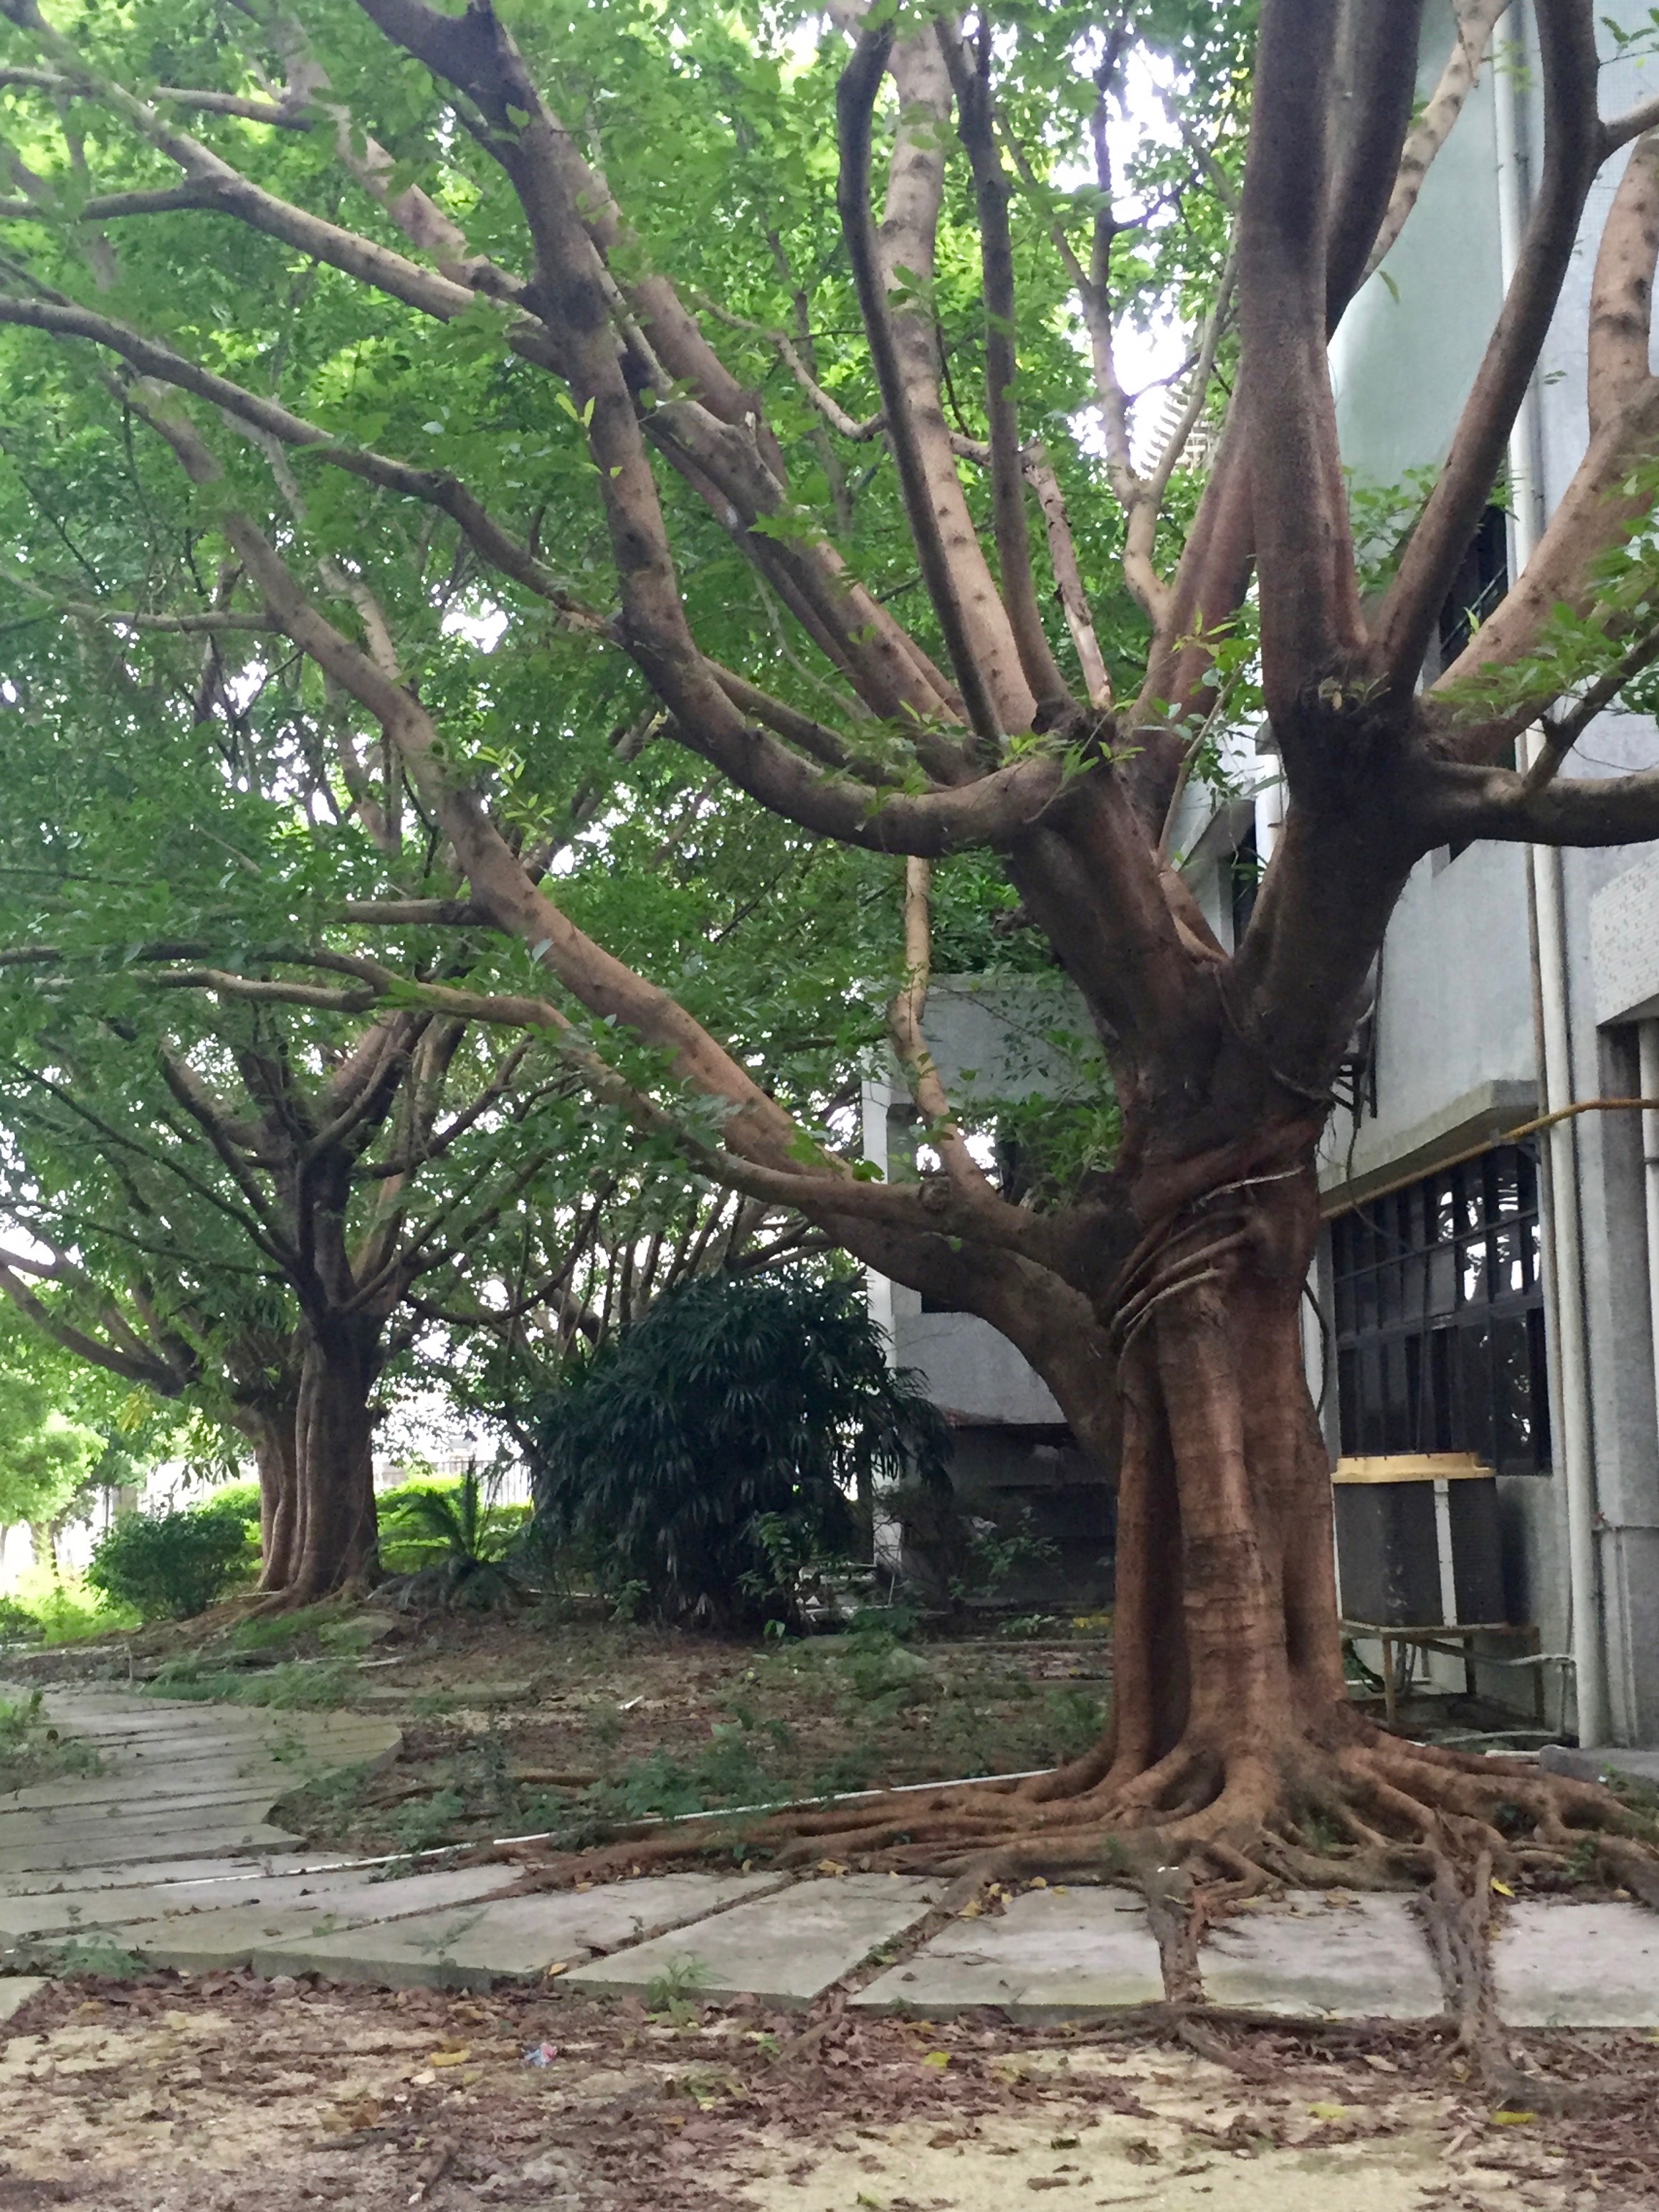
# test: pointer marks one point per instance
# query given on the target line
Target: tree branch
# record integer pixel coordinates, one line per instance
(1370, 121)
(1311, 621)
(1621, 292)
(855, 100)
(1476, 21)
(905, 1016)
(1572, 153)
(977, 127)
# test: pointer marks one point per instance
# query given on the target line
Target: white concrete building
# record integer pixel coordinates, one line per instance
(998, 1040)
(1499, 1298)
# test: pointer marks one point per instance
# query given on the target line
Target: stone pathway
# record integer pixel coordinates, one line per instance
(101, 1861)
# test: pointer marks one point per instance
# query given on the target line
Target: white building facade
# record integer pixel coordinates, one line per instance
(1498, 1297)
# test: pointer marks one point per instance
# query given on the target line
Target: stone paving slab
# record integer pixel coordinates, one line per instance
(72, 1851)
(516, 1938)
(202, 1905)
(15, 1990)
(786, 1948)
(176, 1778)
(1594, 1766)
(1365, 1960)
(1050, 1950)
(1564, 1964)
(48, 1882)
(231, 1936)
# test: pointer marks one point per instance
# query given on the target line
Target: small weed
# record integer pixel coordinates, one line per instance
(667, 1995)
(32, 1750)
(1074, 1720)
(1029, 1625)
(426, 1822)
(433, 1704)
(604, 1723)
(97, 1951)
(1583, 1867)
(628, 1601)
(852, 1770)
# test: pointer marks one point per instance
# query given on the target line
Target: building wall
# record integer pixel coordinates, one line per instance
(1455, 1056)
(1408, 347)
(993, 1039)
(999, 1040)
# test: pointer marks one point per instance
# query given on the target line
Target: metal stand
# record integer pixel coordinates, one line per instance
(1456, 1641)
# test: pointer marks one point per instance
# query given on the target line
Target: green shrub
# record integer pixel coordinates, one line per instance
(17, 1624)
(170, 1565)
(241, 1498)
(711, 1455)
(65, 1610)
(463, 1546)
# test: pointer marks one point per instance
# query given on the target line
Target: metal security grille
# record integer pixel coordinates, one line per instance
(1440, 1316)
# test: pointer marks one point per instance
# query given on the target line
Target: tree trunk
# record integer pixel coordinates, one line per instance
(1227, 1656)
(334, 1539)
(272, 1434)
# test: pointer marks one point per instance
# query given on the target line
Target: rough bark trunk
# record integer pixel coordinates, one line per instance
(1227, 1657)
(271, 1433)
(334, 1538)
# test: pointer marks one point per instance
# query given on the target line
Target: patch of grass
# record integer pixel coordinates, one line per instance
(273, 1631)
(66, 1610)
(320, 1685)
(97, 1951)
(32, 1750)
(426, 1822)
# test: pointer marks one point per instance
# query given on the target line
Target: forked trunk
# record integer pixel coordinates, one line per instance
(334, 1540)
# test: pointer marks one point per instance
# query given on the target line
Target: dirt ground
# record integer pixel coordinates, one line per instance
(526, 1726)
(227, 2094)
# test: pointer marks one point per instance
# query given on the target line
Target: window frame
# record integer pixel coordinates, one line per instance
(1437, 1315)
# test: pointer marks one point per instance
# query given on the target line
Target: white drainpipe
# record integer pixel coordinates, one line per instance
(1647, 1035)
(1564, 1220)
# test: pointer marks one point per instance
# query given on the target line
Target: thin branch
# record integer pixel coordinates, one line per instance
(904, 1017)
(1068, 576)
(844, 425)
(855, 100)
(1562, 733)
(972, 82)
(283, 117)
(1476, 21)
(434, 487)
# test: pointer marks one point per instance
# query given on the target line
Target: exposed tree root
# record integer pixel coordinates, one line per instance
(1200, 1834)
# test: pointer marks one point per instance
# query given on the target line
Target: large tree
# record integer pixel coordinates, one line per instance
(604, 302)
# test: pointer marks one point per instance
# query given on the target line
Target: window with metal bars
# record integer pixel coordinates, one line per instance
(1439, 1300)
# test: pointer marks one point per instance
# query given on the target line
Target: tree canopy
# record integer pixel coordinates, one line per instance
(518, 448)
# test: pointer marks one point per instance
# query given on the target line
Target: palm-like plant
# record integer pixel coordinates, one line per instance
(472, 1568)
(735, 1430)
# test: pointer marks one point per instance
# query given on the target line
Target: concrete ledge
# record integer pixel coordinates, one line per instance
(1383, 1157)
